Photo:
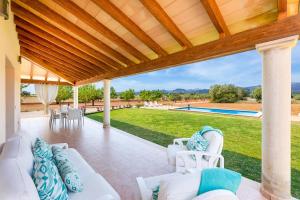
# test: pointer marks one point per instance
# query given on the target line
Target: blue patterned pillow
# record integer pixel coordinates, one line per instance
(42, 150)
(66, 170)
(47, 181)
(197, 143)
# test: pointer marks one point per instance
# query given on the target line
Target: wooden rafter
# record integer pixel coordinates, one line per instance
(123, 19)
(64, 68)
(66, 24)
(282, 9)
(159, 13)
(46, 75)
(239, 42)
(31, 70)
(26, 29)
(40, 43)
(77, 67)
(46, 65)
(45, 26)
(32, 81)
(99, 27)
(216, 17)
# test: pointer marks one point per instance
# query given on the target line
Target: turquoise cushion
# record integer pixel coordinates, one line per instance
(197, 143)
(66, 170)
(47, 180)
(155, 192)
(42, 150)
(219, 178)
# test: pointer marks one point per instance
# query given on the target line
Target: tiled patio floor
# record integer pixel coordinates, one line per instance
(118, 156)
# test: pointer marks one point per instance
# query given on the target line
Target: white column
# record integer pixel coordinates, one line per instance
(106, 116)
(75, 96)
(46, 106)
(276, 123)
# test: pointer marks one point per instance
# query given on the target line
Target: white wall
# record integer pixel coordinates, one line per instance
(9, 49)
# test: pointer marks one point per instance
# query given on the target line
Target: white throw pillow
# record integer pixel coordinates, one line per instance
(217, 195)
(184, 187)
(19, 148)
(15, 182)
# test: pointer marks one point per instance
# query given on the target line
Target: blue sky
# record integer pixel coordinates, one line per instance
(243, 69)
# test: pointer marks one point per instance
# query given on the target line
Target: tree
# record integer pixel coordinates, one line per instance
(89, 93)
(113, 93)
(145, 95)
(224, 93)
(155, 95)
(174, 97)
(242, 93)
(64, 93)
(127, 95)
(257, 94)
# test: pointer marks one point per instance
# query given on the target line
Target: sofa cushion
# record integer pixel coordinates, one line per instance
(183, 187)
(15, 182)
(197, 142)
(42, 150)
(215, 142)
(95, 187)
(19, 148)
(48, 181)
(217, 194)
(66, 170)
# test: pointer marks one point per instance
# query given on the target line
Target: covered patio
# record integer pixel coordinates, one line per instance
(87, 41)
(116, 152)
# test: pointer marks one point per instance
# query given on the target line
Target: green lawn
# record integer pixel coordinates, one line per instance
(242, 144)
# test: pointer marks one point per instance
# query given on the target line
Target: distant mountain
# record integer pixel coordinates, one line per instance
(295, 89)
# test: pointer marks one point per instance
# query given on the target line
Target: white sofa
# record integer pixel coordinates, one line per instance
(16, 163)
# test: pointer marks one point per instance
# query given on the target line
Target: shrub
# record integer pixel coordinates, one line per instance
(257, 94)
(224, 93)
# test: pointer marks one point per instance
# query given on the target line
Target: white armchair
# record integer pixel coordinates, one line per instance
(183, 159)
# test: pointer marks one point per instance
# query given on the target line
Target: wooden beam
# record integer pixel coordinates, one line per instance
(282, 9)
(39, 22)
(66, 24)
(69, 57)
(32, 31)
(32, 45)
(66, 69)
(31, 70)
(216, 17)
(47, 66)
(123, 19)
(159, 13)
(236, 43)
(100, 28)
(32, 81)
(46, 75)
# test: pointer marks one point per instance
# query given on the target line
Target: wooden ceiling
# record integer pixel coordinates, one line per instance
(84, 41)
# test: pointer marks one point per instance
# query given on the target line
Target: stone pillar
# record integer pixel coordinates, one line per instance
(75, 96)
(276, 123)
(106, 114)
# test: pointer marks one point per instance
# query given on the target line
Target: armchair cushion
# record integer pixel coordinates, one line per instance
(181, 187)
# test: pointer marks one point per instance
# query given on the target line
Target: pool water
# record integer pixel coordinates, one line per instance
(246, 113)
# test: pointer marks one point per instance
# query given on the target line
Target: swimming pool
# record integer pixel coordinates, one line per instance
(246, 113)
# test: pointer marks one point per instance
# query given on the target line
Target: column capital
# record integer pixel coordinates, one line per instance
(290, 41)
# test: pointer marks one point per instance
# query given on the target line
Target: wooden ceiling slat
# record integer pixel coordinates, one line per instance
(37, 21)
(46, 76)
(99, 27)
(236, 43)
(282, 9)
(31, 70)
(123, 19)
(66, 24)
(26, 29)
(47, 65)
(32, 81)
(159, 13)
(216, 17)
(66, 62)
(35, 41)
(58, 65)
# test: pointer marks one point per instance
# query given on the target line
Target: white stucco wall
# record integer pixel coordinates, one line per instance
(9, 49)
